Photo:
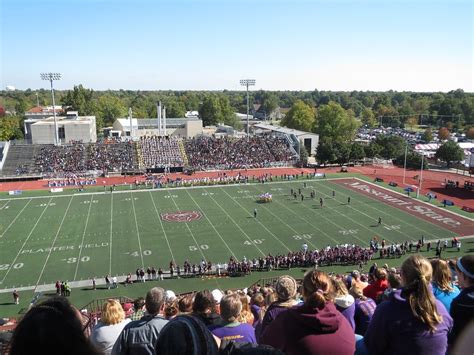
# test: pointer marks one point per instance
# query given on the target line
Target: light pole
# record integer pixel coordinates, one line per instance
(405, 163)
(421, 175)
(50, 77)
(247, 83)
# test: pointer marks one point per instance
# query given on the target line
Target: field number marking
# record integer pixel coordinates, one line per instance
(46, 204)
(73, 260)
(136, 253)
(392, 227)
(207, 193)
(348, 231)
(255, 241)
(87, 202)
(302, 236)
(170, 196)
(7, 266)
(196, 248)
(4, 208)
(243, 191)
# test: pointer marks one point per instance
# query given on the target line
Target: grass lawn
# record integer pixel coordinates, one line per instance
(77, 236)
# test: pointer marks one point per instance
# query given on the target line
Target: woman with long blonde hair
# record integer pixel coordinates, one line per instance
(443, 288)
(411, 321)
(112, 321)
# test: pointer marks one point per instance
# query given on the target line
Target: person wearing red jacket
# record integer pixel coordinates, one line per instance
(380, 284)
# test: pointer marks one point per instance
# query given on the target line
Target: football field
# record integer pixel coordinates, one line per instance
(78, 236)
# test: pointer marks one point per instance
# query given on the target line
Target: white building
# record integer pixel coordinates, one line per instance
(309, 140)
(36, 114)
(177, 127)
(70, 128)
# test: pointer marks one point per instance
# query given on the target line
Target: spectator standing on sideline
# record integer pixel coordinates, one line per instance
(412, 321)
(16, 297)
(140, 336)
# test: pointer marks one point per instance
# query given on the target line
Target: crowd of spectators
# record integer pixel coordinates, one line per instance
(321, 314)
(160, 152)
(110, 155)
(233, 153)
(63, 159)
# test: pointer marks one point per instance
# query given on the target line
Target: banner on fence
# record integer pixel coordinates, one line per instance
(57, 189)
(15, 192)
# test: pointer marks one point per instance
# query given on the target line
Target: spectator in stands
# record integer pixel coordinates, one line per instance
(185, 304)
(462, 307)
(246, 315)
(345, 303)
(204, 308)
(52, 327)
(443, 289)
(232, 329)
(186, 335)
(112, 321)
(171, 309)
(316, 327)
(286, 288)
(378, 286)
(364, 309)
(140, 336)
(138, 309)
(412, 321)
(356, 280)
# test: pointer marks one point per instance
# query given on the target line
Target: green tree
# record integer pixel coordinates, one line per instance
(368, 118)
(357, 152)
(303, 154)
(427, 135)
(216, 109)
(21, 107)
(270, 102)
(10, 128)
(174, 108)
(413, 160)
(335, 123)
(470, 133)
(327, 152)
(390, 147)
(109, 108)
(80, 99)
(450, 152)
(300, 116)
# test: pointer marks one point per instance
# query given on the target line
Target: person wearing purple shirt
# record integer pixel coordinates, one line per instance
(364, 309)
(231, 306)
(411, 321)
(345, 303)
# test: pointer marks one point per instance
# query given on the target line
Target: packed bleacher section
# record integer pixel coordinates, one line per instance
(232, 153)
(423, 307)
(112, 155)
(159, 152)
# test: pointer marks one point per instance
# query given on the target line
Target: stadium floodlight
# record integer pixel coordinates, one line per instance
(247, 83)
(51, 77)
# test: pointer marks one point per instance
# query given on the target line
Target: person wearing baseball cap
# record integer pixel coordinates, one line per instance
(286, 289)
(462, 307)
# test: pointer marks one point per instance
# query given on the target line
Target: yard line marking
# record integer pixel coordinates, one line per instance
(265, 227)
(138, 232)
(16, 217)
(212, 225)
(8, 201)
(83, 236)
(237, 225)
(54, 241)
(388, 214)
(26, 240)
(365, 214)
(312, 225)
(353, 220)
(111, 228)
(162, 227)
(189, 229)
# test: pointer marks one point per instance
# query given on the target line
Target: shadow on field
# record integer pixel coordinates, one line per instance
(7, 303)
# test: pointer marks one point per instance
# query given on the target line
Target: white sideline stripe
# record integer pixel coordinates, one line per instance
(373, 198)
(303, 219)
(8, 201)
(421, 201)
(16, 217)
(264, 226)
(237, 225)
(189, 229)
(54, 241)
(26, 240)
(212, 225)
(162, 227)
(83, 236)
(138, 231)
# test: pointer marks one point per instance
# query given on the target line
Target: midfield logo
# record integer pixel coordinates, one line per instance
(181, 216)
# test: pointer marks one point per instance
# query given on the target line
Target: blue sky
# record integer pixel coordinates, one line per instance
(210, 44)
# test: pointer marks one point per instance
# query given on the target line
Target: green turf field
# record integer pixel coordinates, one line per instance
(76, 237)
